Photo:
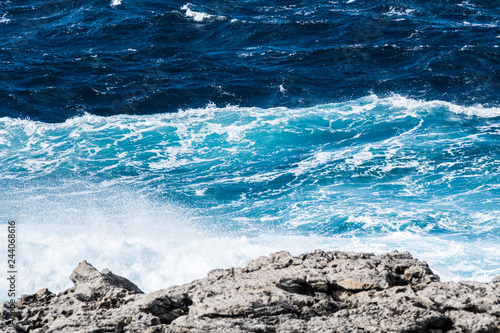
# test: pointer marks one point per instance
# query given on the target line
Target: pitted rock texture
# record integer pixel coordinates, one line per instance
(314, 292)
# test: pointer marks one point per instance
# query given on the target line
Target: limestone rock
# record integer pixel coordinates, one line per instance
(313, 292)
(92, 285)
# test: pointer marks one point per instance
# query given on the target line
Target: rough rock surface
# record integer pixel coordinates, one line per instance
(314, 292)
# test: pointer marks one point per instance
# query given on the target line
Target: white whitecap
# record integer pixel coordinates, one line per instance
(476, 111)
(196, 16)
(3, 19)
(361, 157)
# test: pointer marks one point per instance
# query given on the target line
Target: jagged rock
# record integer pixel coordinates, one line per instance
(314, 292)
(92, 285)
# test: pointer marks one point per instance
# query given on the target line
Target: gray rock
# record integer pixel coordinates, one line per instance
(314, 292)
(91, 285)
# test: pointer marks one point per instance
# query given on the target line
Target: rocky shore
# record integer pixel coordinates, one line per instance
(313, 292)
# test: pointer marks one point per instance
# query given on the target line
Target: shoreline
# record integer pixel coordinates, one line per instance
(314, 292)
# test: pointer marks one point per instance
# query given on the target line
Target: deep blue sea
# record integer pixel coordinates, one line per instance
(163, 139)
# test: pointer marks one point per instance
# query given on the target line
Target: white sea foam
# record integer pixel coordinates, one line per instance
(198, 16)
(477, 111)
(154, 245)
(160, 244)
(194, 127)
(361, 157)
(412, 105)
(4, 19)
(157, 255)
(408, 106)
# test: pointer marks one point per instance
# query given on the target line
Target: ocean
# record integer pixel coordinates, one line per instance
(164, 139)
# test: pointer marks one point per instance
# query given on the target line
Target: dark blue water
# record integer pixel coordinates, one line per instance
(164, 139)
(63, 58)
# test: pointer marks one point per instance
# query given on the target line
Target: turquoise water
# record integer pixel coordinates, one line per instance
(164, 198)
